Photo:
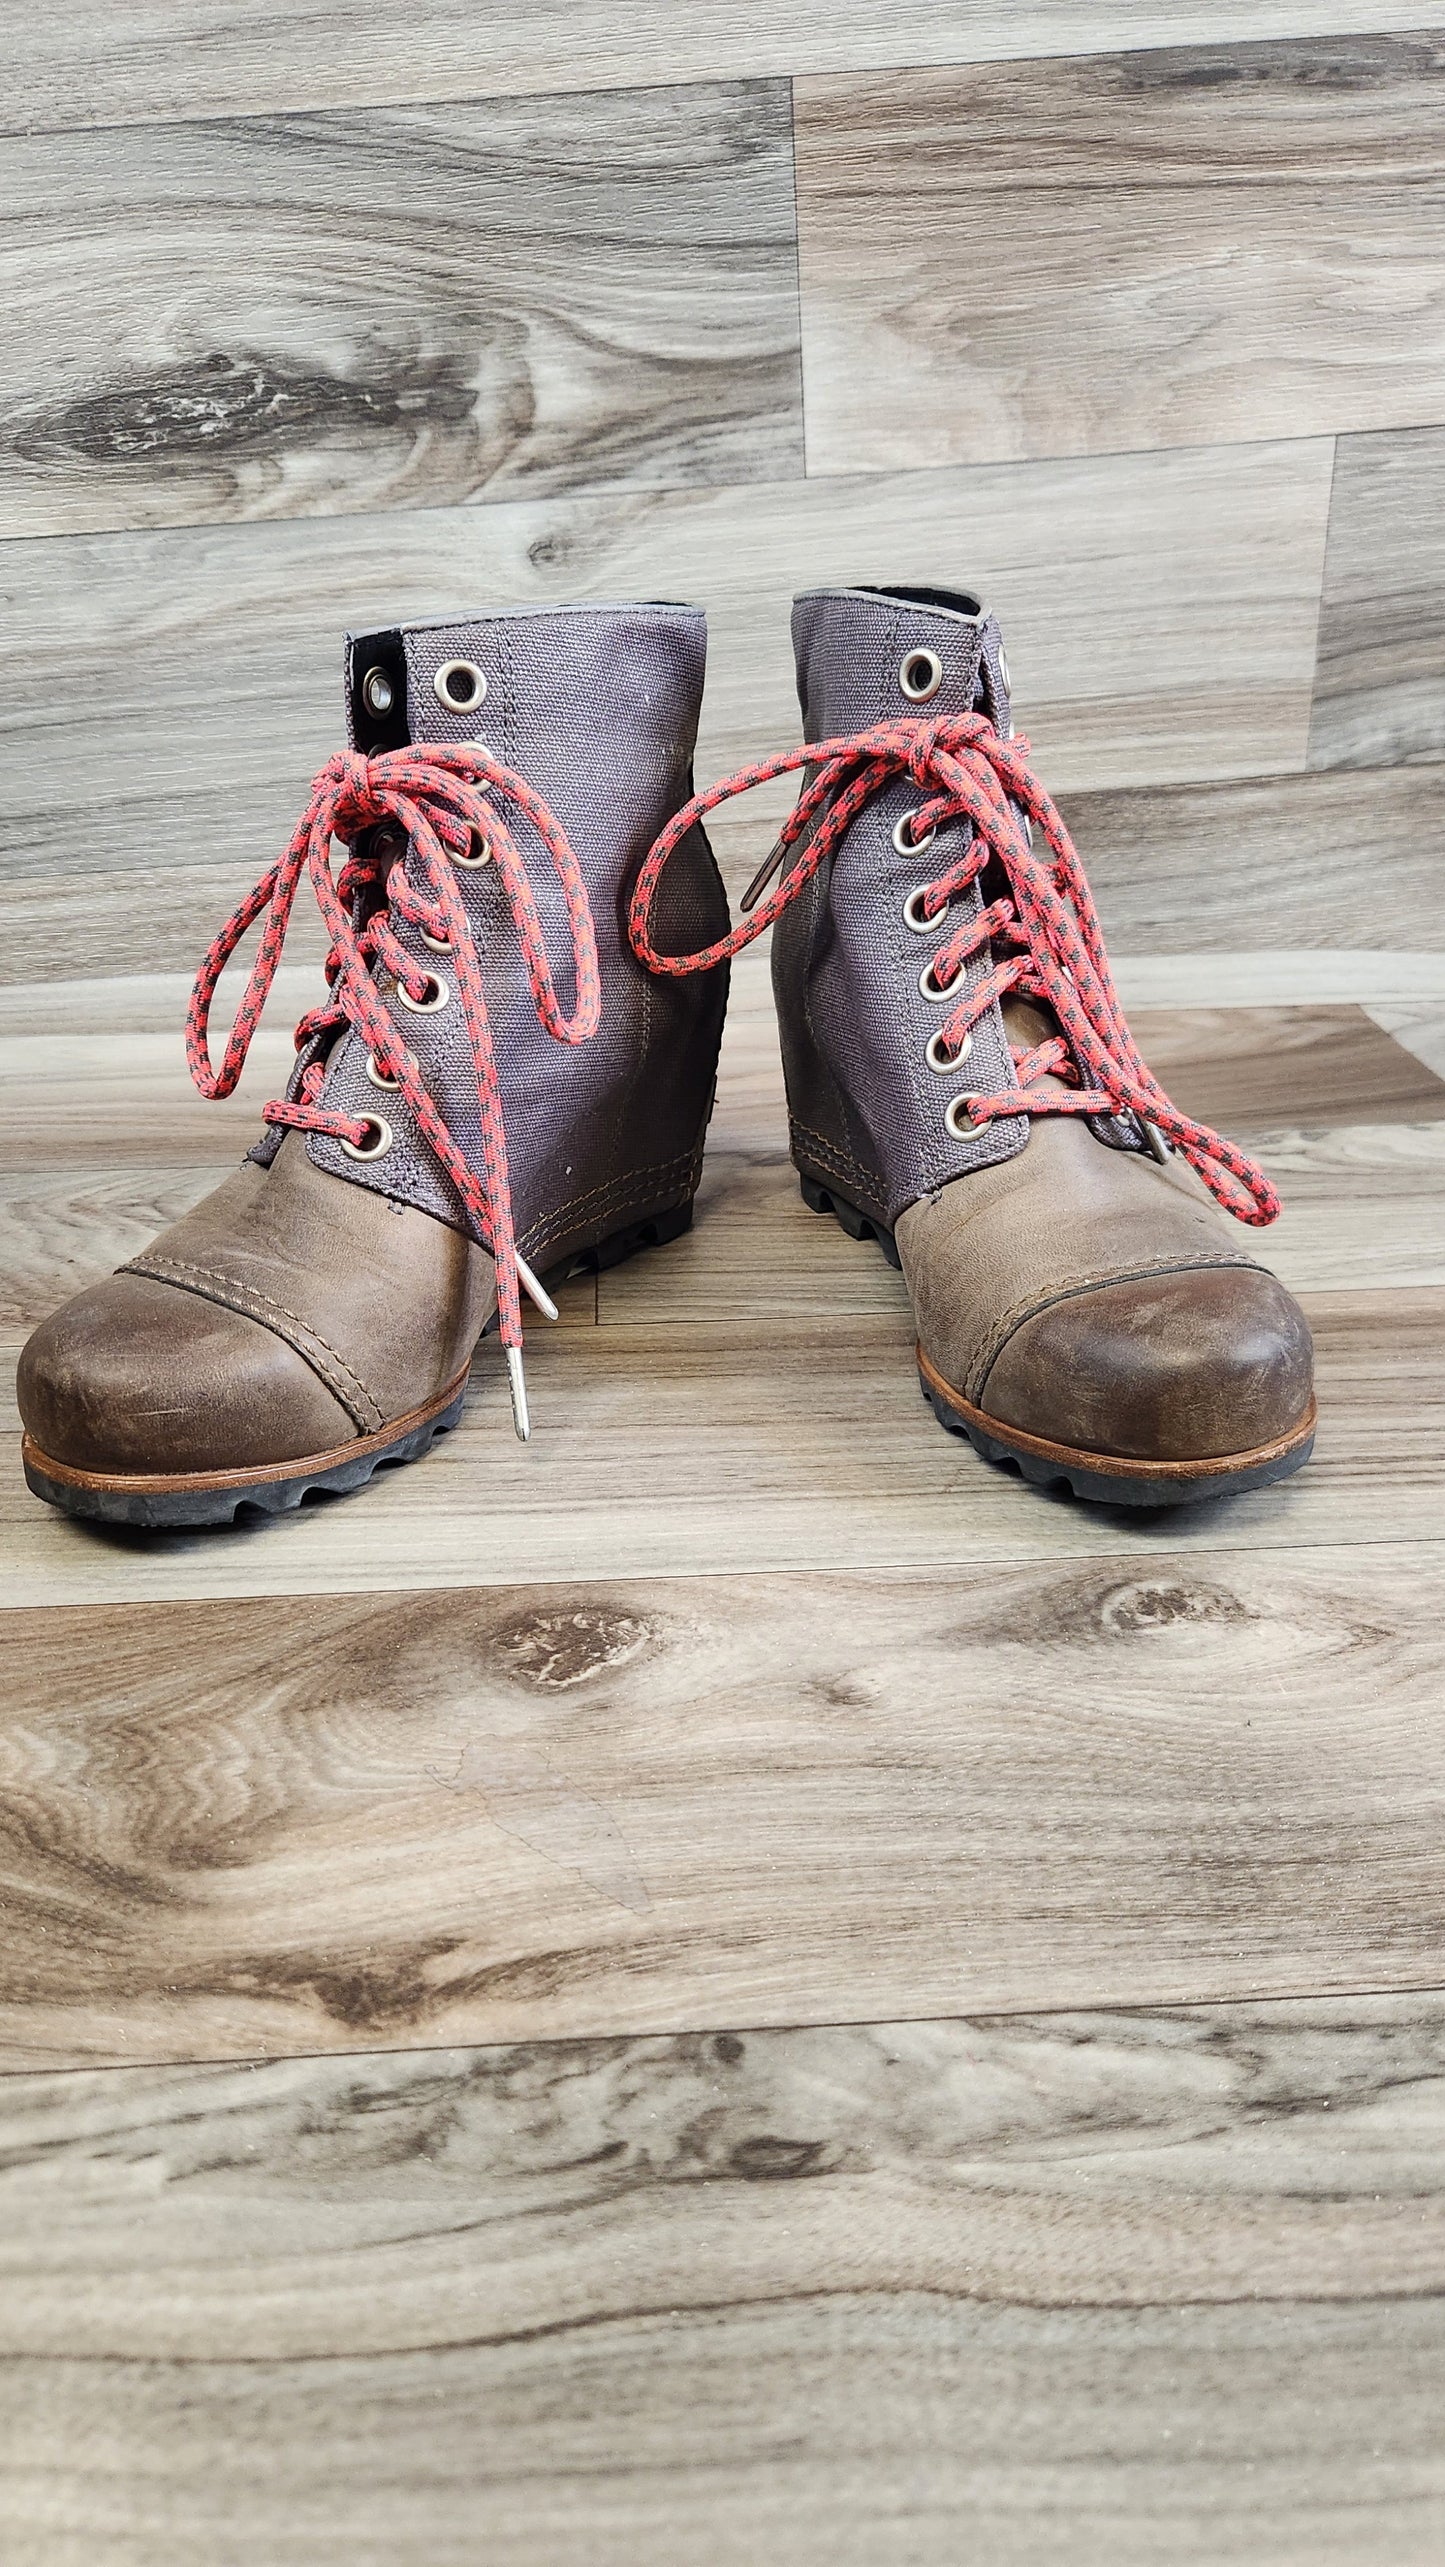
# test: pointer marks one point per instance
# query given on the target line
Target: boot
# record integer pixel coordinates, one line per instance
(963, 1088)
(451, 1134)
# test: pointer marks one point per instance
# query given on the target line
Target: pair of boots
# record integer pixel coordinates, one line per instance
(458, 1131)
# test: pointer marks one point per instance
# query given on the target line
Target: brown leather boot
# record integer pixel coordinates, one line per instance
(449, 1128)
(962, 1085)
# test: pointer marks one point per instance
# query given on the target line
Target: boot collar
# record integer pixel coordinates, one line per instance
(867, 655)
(528, 680)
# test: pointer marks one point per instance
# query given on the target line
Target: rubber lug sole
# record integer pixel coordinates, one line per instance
(186, 1500)
(859, 1225)
(1100, 1479)
(657, 1231)
(189, 1501)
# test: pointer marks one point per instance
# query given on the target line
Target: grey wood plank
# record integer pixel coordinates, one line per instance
(112, 1143)
(1380, 680)
(223, 57)
(1158, 248)
(1419, 1029)
(846, 2431)
(1344, 860)
(676, 1447)
(751, 1399)
(406, 306)
(165, 696)
(1173, 2279)
(1157, 1775)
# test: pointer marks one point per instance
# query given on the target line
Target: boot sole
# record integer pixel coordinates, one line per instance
(1101, 1479)
(176, 1501)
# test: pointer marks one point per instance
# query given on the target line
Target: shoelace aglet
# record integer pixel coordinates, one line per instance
(535, 1291)
(1154, 1141)
(517, 1383)
(771, 864)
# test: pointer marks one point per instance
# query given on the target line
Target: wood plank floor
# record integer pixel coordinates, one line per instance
(1140, 2285)
(634, 319)
(206, 660)
(229, 56)
(1194, 255)
(1378, 696)
(503, 1813)
(735, 1985)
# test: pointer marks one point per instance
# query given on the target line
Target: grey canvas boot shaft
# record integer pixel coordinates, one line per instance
(317, 1314)
(962, 1085)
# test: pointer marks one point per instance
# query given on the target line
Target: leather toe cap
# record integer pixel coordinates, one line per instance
(137, 1376)
(1182, 1366)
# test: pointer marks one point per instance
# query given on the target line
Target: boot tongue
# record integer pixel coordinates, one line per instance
(870, 655)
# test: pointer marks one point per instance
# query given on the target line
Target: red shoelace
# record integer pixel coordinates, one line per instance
(1046, 937)
(443, 799)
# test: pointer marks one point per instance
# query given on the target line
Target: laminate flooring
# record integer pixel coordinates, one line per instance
(735, 1984)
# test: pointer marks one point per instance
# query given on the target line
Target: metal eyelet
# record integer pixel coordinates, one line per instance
(942, 1061)
(956, 1108)
(435, 944)
(905, 842)
(376, 1149)
(473, 863)
(936, 997)
(436, 999)
(378, 1077)
(377, 692)
(913, 916)
(459, 686)
(921, 676)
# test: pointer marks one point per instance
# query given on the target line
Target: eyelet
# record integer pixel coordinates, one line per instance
(377, 692)
(438, 994)
(957, 1107)
(942, 1061)
(376, 1149)
(459, 686)
(936, 997)
(905, 842)
(378, 1077)
(913, 916)
(435, 944)
(470, 863)
(921, 676)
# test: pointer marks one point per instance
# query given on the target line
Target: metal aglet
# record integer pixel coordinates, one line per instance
(1155, 1142)
(770, 865)
(517, 1381)
(536, 1291)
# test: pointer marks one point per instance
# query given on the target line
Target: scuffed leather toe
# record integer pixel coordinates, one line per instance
(1172, 1367)
(136, 1375)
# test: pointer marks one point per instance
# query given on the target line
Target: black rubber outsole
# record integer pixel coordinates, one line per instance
(859, 1225)
(1109, 1482)
(183, 1509)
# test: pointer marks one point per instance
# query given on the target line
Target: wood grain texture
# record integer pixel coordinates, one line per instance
(333, 314)
(164, 697)
(1346, 859)
(227, 57)
(1380, 681)
(1251, 1069)
(748, 1398)
(1418, 1029)
(814, 2295)
(1161, 248)
(665, 1447)
(504, 1814)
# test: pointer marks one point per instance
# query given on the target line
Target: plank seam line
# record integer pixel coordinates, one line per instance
(1105, 2009)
